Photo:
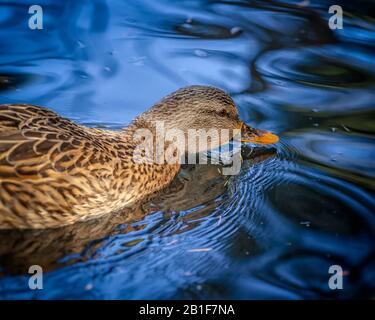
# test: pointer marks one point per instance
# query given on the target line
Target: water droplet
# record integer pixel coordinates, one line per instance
(89, 286)
(333, 129)
(83, 76)
(172, 242)
(316, 124)
(304, 3)
(345, 128)
(305, 223)
(200, 53)
(199, 287)
(80, 44)
(236, 30)
(138, 61)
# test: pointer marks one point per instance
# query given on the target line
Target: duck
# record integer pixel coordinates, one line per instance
(54, 172)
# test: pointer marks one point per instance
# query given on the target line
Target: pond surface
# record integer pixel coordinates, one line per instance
(272, 231)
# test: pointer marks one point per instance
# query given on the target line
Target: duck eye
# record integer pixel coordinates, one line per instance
(223, 113)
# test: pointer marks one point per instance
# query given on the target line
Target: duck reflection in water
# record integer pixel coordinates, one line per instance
(194, 185)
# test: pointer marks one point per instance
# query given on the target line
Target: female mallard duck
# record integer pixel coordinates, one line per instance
(54, 172)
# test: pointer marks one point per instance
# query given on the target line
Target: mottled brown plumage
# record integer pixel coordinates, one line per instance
(54, 172)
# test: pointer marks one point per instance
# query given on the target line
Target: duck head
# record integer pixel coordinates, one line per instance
(204, 107)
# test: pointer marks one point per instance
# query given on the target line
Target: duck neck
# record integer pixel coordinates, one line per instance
(140, 171)
(152, 143)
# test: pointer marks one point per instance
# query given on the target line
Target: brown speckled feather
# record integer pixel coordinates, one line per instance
(54, 172)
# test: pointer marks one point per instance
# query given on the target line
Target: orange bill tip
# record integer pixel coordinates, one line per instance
(257, 136)
(265, 138)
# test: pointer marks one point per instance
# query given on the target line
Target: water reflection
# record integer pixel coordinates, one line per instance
(270, 232)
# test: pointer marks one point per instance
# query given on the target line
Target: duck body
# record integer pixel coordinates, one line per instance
(54, 172)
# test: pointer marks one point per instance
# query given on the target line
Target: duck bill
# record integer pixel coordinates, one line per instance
(258, 136)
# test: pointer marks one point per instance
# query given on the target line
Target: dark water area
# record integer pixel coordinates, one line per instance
(272, 231)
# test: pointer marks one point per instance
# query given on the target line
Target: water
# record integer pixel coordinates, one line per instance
(274, 230)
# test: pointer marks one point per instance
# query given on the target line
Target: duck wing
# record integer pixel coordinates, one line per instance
(40, 157)
(33, 139)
